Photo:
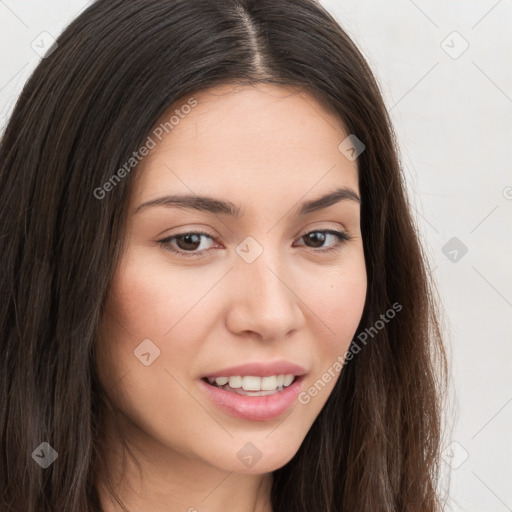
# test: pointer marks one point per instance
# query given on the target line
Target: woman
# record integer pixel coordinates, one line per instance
(214, 293)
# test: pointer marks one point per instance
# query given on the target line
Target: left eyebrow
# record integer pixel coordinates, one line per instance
(340, 194)
(218, 206)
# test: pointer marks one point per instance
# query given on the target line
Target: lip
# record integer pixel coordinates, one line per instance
(259, 369)
(253, 408)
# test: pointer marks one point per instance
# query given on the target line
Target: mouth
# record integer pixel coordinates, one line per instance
(252, 385)
(237, 395)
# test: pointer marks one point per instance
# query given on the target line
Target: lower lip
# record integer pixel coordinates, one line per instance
(254, 408)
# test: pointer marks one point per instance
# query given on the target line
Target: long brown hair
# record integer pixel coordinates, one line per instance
(86, 108)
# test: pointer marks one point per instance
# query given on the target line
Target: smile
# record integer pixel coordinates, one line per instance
(252, 404)
(252, 385)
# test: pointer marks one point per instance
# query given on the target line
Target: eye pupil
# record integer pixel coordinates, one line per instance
(187, 237)
(318, 236)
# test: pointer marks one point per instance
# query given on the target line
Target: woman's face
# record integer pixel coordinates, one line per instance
(268, 290)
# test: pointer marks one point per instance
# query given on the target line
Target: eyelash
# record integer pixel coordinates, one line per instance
(342, 239)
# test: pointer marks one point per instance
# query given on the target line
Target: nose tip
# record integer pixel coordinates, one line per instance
(264, 302)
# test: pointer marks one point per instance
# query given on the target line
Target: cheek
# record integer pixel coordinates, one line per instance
(347, 298)
(150, 303)
(337, 298)
(150, 299)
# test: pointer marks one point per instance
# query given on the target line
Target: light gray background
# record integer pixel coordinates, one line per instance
(452, 114)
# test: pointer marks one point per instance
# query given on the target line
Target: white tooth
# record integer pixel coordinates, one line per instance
(235, 382)
(211, 380)
(288, 379)
(280, 380)
(220, 381)
(251, 383)
(268, 383)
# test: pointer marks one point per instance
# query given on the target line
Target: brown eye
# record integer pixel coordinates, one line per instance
(190, 241)
(318, 238)
(186, 243)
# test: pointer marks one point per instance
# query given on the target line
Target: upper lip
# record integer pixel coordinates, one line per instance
(259, 369)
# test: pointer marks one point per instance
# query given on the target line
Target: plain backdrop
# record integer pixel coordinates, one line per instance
(444, 70)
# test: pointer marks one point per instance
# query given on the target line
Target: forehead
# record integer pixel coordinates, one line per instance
(244, 141)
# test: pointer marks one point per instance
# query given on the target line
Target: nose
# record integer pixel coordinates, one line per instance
(265, 302)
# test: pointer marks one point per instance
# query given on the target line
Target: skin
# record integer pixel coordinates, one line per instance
(294, 302)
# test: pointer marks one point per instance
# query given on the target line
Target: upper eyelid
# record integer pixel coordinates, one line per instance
(213, 237)
(327, 230)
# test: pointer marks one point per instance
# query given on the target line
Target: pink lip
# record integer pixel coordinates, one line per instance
(259, 370)
(253, 408)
